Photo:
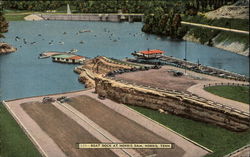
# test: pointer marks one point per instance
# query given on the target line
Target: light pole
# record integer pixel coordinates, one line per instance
(185, 59)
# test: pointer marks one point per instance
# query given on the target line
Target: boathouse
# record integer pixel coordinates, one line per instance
(148, 54)
(68, 58)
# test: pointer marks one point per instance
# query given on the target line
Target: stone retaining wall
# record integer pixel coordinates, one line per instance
(172, 103)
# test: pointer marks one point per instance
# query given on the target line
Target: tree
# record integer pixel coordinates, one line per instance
(3, 25)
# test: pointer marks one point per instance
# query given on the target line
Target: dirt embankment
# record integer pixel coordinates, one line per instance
(172, 102)
(6, 48)
(236, 47)
(96, 66)
(239, 10)
(33, 18)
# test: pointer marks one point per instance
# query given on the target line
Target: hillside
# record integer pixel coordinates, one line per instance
(239, 10)
(234, 16)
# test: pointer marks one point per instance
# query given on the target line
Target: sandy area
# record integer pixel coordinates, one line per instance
(33, 18)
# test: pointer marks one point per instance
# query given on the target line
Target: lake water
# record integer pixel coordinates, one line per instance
(22, 74)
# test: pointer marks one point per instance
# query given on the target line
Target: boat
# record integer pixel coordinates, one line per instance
(83, 31)
(61, 42)
(73, 51)
(42, 57)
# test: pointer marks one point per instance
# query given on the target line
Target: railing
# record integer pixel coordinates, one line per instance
(225, 84)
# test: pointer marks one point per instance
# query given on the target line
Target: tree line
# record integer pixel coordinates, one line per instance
(205, 5)
(3, 25)
(156, 21)
(112, 6)
(93, 6)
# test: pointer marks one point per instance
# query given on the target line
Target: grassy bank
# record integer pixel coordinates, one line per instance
(13, 141)
(219, 140)
(207, 35)
(237, 93)
(240, 24)
(15, 17)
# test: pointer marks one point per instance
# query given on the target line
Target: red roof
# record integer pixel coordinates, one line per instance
(148, 52)
(75, 57)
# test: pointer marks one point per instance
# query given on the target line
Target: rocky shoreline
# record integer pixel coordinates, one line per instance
(235, 47)
(6, 48)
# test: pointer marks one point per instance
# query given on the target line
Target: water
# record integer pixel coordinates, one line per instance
(22, 74)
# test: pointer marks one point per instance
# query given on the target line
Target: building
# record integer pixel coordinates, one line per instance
(68, 58)
(148, 54)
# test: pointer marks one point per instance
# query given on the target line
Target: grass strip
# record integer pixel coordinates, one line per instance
(13, 141)
(237, 93)
(220, 140)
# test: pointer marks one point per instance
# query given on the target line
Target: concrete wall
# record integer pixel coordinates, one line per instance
(172, 103)
(88, 17)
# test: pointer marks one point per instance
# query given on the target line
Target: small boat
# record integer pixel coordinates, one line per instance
(83, 31)
(42, 57)
(61, 42)
(73, 51)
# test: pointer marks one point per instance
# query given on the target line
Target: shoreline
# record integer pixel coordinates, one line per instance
(6, 48)
(234, 47)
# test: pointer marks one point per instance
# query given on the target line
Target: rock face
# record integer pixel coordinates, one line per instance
(235, 47)
(239, 10)
(5, 48)
(172, 103)
(97, 66)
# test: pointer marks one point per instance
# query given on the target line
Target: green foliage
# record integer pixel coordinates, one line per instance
(3, 25)
(15, 17)
(237, 93)
(219, 140)
(240, 24)
(205, 35)
(157, 22)
(95, 6)
(13, 141)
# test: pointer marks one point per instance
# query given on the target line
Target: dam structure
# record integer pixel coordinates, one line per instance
(111, 17)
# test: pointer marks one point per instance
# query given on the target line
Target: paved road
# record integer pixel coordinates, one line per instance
(198, 89)
(215, 27)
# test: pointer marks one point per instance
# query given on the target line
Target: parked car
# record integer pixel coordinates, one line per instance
(62, 99)
(48, 99)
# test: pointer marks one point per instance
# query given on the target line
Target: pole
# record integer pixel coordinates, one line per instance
(185, 56)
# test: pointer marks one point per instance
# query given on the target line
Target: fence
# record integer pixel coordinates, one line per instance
(225, 84)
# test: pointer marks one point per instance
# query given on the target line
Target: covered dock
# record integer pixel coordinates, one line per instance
(68, 58)
(148, 54)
